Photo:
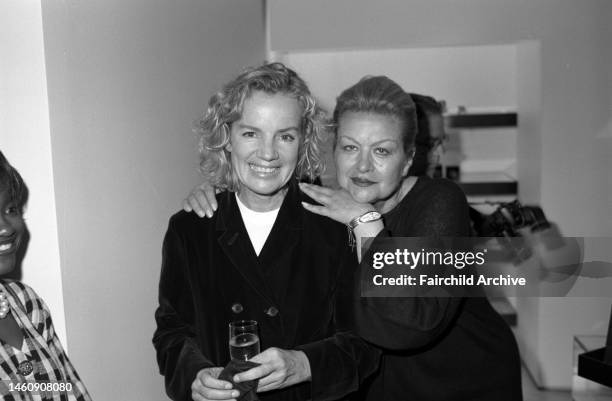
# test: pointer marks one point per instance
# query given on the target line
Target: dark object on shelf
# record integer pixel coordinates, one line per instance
(591, 365)
(489, 188)
(488, 183)
(438, 172)
(481, 120)
(597, 365)
(507, 219)
(453, 173)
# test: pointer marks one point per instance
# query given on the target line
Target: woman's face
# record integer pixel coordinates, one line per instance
(12, 229)
(438, 136)
(370, 158)
(264, 145)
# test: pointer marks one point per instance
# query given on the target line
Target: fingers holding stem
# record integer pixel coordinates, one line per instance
(278, 369)
(207, 386)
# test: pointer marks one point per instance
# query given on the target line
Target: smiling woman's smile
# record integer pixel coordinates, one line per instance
(8, 245)
(263, 170)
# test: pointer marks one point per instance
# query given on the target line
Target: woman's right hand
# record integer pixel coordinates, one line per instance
(337, 204)
(207, 386)
(201, 200)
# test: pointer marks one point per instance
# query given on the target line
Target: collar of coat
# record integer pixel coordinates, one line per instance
(291, 213)
(283, 238)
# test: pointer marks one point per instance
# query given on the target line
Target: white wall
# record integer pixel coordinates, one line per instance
(454, 74)
(26, 143)
(470, 76)
(529, 103)
(126, 80)
(607, 130)
(563, 90)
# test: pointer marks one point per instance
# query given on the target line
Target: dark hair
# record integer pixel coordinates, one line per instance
(426, 106)
(380, 95)
(11, 181)
(225, 107)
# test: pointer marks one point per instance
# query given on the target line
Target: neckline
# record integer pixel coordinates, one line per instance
(21, 350)
(17, 317)
(280, 196)
(242, 207)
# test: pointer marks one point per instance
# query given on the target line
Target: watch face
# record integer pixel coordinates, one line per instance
(370, 216)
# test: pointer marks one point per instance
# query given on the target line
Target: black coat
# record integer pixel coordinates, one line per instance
(299, 290)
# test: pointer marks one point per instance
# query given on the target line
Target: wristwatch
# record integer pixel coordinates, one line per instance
(367, 217)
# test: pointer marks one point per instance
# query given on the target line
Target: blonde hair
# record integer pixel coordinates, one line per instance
(225, 107)
(380, 95)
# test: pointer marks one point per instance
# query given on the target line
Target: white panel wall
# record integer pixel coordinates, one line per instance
(26, 143)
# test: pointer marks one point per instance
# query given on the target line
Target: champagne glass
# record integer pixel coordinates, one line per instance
(243, 339)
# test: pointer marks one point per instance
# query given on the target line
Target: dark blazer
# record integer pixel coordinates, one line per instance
(299, 290)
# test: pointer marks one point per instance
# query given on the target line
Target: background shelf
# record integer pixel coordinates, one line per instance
(488, 183)
(481, 120)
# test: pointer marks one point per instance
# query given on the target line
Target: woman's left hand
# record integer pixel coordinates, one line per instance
(337, 204)
(278, 368)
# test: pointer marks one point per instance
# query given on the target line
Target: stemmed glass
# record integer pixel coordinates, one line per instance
(243, 339)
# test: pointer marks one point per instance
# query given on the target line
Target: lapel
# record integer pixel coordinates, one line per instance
(285, 234)
(235, 243)
(279, 258)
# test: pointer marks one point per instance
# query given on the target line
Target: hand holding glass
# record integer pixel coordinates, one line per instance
(243, 339)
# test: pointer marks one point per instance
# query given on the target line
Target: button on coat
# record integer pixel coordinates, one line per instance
(271, 311)
(237, 307)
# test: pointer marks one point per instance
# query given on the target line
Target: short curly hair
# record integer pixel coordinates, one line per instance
(225, 107)
(380, 95)
(11, 181)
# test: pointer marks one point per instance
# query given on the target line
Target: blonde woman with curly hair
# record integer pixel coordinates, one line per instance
(262, 256)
